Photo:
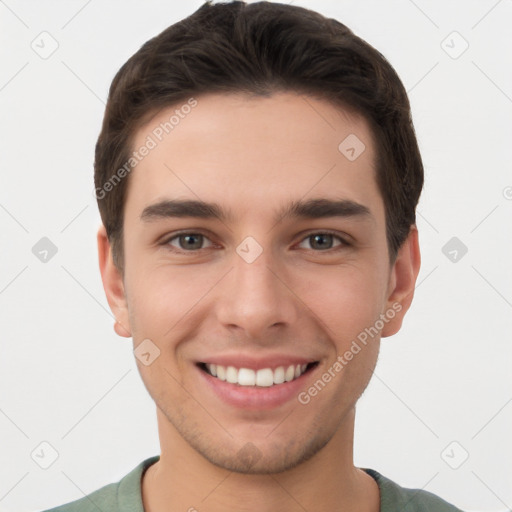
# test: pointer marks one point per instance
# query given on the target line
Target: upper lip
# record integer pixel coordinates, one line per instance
(255, 363)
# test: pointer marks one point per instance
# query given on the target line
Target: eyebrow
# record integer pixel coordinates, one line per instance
(309, 209)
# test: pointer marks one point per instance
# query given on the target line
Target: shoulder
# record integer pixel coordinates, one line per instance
(122, 496)
(394, 497)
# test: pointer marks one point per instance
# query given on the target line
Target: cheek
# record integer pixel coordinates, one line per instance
(345, 299)
(162, 298)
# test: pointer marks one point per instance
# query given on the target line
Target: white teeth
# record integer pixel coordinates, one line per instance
(231, 375)
(265, 377)
(221, 372)
(279, 375)
(246, 377)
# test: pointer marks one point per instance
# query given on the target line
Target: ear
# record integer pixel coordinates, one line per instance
(113, 285)
(402, 281)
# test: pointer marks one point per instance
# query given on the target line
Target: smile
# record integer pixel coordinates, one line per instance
(263, 377)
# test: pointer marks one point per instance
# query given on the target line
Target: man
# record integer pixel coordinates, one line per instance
(257, 175)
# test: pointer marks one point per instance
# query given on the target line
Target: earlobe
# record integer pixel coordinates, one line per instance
(402, 282)
(121, 330)
(113, 285)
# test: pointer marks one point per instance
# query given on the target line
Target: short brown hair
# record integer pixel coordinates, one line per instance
(259, 49)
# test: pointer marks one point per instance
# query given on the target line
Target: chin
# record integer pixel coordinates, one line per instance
(256, 459)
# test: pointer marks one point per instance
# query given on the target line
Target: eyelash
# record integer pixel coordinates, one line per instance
(344, 242)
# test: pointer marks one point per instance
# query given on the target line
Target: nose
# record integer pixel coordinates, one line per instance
(255, 299)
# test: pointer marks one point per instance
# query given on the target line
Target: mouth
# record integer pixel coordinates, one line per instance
(257, 377)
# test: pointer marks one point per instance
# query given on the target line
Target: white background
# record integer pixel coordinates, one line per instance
(67, 379)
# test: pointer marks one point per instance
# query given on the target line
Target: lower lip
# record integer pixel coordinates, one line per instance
(256, 397)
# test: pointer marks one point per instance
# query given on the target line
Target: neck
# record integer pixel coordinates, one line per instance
(183, 480)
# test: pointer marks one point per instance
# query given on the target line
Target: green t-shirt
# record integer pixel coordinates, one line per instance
(126, 496)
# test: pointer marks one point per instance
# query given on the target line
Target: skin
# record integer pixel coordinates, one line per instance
(252, 156)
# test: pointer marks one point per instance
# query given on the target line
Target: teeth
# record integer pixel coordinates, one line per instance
(231, 375)
(264, 377)
(246, 377)
(221, 372)
(279, 375)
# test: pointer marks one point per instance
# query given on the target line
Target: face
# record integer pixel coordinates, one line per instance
(255, 257)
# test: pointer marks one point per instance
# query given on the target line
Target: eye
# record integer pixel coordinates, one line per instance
(322, 241)
(189, 241)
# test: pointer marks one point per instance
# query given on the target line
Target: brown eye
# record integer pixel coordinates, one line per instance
(188, 241)
(322, 241)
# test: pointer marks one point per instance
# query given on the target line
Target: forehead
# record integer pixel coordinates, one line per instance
(248, 151)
